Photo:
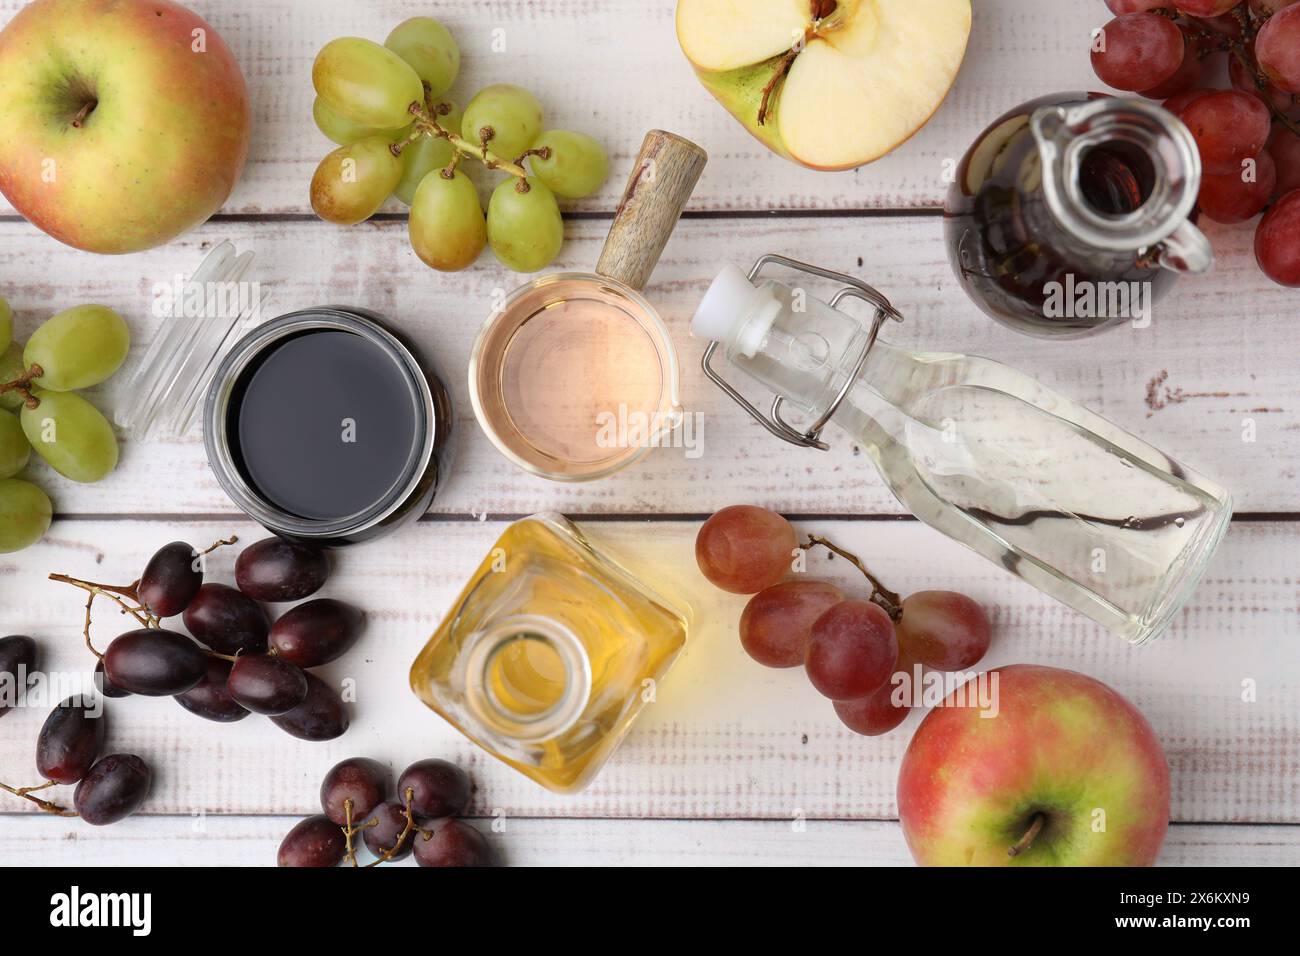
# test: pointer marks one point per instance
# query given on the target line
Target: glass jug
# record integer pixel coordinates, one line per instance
(1071, 214)
(1060, 497)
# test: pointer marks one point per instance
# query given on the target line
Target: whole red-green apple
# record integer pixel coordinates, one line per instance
(123, 123)
(1068, 773)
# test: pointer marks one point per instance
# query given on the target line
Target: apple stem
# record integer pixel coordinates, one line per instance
(1026, 841)
(888, 601)
(80, 119)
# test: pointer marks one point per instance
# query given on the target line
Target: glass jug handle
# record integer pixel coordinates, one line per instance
(1185, 251)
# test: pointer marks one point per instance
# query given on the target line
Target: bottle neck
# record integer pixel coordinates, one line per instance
(1122, 176)
(526, 678)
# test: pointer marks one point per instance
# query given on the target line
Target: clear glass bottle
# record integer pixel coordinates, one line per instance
(1060, 497)
(549, 654)
(1070, 191)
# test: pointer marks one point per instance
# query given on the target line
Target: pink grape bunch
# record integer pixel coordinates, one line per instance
(1248, 135)
(850, 648)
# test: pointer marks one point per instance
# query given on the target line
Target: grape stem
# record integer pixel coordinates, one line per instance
(426, 124)
(47, 806)
(23, 386)
(407, 830)
(1025, 842)
(888, 601)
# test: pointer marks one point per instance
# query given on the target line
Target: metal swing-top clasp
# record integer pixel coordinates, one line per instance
(774, 422)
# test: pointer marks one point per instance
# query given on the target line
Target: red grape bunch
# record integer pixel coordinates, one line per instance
(235, 661)
(68, 748)
(1249, 135)
(850, 648)
(357, 798)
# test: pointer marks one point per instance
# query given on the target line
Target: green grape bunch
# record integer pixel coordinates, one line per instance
(385, 107)
(41, 412)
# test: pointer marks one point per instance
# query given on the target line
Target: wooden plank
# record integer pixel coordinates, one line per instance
(252, 841)
(726, 738)
(1217, 378)
(614, 70)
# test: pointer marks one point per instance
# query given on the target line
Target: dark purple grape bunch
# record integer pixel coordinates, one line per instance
(357, 797)
(235, 660)
(108, 789)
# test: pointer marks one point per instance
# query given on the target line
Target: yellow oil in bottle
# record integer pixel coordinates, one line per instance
(549, 654)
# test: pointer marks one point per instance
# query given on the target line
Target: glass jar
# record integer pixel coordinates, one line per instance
(549, 654)
(1072, 213)
(326, 427)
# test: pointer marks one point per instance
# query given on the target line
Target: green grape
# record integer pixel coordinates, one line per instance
(447, 228)
(6, 324)
(525, 229)
(71, 435)
(78, 348)
(366, 83)
(14, 448)
(577, 166)
(425, 155)
(352, 182)
(25, 515)
(513, 113)
(430, 49)
(11, 369)
(343, 131)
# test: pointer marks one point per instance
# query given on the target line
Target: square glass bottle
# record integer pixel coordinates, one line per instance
(550, 653)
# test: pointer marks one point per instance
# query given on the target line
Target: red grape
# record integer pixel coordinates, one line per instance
(276, 570)
(1176, 104)
(439, 789)
(113, 790)
(1139, 51)
(364, 781)
(454, 843)
(154, 663)
(210, 698)
(1183, 79)
(171, 579)
(853, 650)
(390, 823)
(777, 621)
(17, 663)
(1230, 127)
(1244, 78)
(267, 685)
(1235, 198)
(944, 630)
(1277, 241)
(1204, 8)
(1285, 150)
(315, 842)
(321, 716)
(317, 632)
(1266, 8)
(1121, 7)
(1277, 48)
(743, 549)
(874, 714)
(69, 741)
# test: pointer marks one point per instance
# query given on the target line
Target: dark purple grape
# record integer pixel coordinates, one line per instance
(227, 621)
(317, 632)
(70, 740)
(17, 662)
(440, 789)
(322, 716)
(364, 781)
(454, 843)
(106, 686)
(113, 790)
(267, 685)
(155, 663)
(277, 570)
(383, 836)
(315, 842)
(171, 579)
(210, 698)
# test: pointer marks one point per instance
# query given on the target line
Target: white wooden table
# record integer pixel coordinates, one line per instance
(734, 763)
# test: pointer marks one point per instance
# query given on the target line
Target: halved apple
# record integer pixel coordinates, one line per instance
(831, 84)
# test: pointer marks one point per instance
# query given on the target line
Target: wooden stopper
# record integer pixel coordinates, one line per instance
(662, 180)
